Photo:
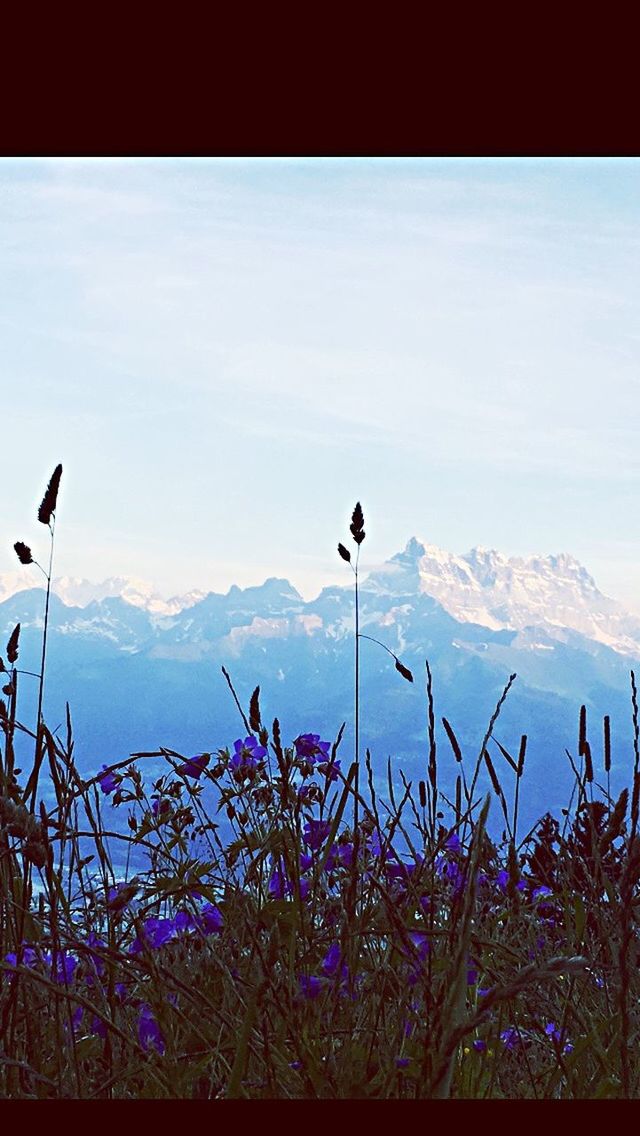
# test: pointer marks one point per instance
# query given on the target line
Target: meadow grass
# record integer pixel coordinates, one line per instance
(294, 934)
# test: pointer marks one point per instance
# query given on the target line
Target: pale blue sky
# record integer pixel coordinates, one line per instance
(225, 355)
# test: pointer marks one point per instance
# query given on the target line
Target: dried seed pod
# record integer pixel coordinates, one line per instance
(48, 505)
(23, 552)
(12, 645)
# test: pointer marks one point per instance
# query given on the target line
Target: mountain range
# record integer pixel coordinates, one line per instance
(140, 671)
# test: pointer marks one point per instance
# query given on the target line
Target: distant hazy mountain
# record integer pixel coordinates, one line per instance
(140, 672)
(77, 592)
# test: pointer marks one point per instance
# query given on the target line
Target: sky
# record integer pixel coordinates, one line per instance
(225, 355)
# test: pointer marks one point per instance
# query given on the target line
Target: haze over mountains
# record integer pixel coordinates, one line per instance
(140, 671)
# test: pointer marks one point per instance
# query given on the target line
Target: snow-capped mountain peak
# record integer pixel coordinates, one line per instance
(485, 587)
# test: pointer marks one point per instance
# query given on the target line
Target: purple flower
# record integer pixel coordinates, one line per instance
(108, 781)
(316, 832)
(472, 977)
(341, 855)
(281, 886)
(157, 932)
(149, 1032)
(278, 883)
(330, 769)
(479, 1046)
(210, 919)
(332, 960)
(451, 873)
(184, 921)
(306, 862)
(400, 870)
(98, 1027)
(502, 879)
(194, 766)
(246, 756)
(420, 943)
(310, 746)
(511, 1038)
(541, 892)
(552, 1031)
(402, 1062)
(26, 956)
(119, 896)
(310, 986)
(453, 842)
(66, 966)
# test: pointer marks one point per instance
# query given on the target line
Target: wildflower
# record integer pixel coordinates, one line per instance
(479, 1046)
(502, 879)
(332, 960)
(453, 843)
(401, 870)
(160, 808)
(195, 766)
(402, 1062)
(246, 754)
(421, 944)
(541, 892)
(119, 896)
(108, 780)
(310, 986)
(309, 746)
(511, 1038)
(279, 884)
(149, 1032)
(26, 956)
(552, 1031)
(98, 1027)
(210, 919)
(451, 873)
(330, 769)
(472, 977)
(316, 832)
(340, 856)
(158, 931)
(65, 968)
(306, 862)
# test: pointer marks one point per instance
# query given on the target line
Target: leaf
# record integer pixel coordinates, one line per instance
(23, 552)
(344, 552)
(254, 711)
(404, 671)
(50, 498)
(580, 916)
(12, 645)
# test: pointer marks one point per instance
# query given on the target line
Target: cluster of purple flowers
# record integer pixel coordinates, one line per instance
(335, 975)
(60, 966)
(156, 932)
